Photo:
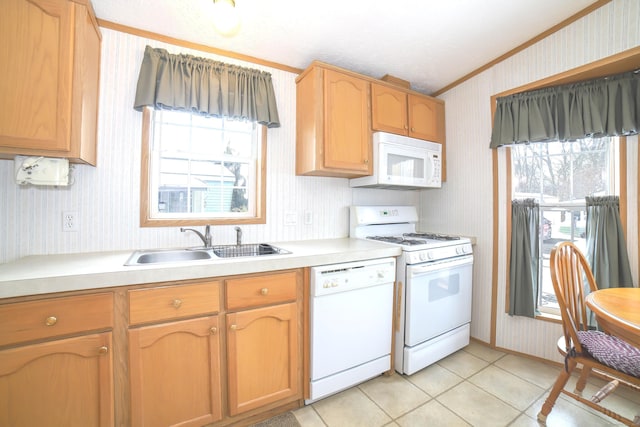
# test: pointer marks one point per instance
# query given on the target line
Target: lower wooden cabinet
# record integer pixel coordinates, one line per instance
(174, 371)
(262, 355)
(66, 382)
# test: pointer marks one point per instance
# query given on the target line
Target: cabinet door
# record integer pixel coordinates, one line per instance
(263, 357)
(388, 109)
(35, 74)
(347, 142)
(58, 383)
(426, 119)
(175, 373)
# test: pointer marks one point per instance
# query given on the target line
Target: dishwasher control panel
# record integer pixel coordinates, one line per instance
(328, 279)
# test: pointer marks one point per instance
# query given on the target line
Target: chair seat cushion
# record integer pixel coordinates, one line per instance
(611, 351)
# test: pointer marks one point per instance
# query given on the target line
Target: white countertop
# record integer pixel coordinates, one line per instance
(43, 274)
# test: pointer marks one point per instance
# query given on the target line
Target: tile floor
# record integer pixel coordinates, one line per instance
(476, 386)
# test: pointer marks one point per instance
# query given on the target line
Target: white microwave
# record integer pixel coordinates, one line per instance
(404, 163)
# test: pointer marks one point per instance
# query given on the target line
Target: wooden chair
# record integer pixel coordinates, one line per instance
(614, 359)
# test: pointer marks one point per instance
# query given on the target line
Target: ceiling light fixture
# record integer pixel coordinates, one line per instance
(225, 17)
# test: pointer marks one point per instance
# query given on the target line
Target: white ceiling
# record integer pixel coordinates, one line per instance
(430, 43)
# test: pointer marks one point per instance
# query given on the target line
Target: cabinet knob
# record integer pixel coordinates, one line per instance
(103, 350)
(51, 320)
(366, 161)
(413, 129)
(176, 303)
(264, 291)
(213, 330)
(233, 327)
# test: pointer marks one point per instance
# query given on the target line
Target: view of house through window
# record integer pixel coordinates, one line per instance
(560, 175)
(202, 167)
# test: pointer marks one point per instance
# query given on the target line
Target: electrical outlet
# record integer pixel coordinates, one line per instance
(70, 221)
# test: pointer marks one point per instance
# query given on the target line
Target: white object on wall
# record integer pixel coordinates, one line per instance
(41, 171)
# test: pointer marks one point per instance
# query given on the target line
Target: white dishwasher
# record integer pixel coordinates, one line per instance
(351, 313)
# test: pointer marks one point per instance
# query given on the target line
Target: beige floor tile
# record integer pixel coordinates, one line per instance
(394, 394)
(539, 373)
(508, 387)
(463, 364)
(431, 414)
(350, 408)
(566, 413)
(308, 417)
(477, 407)
(525, 421)
(434, 379)
(483, 352)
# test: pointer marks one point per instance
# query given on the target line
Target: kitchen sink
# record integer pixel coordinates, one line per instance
(159, 256)
(252, 249)
(168, 255)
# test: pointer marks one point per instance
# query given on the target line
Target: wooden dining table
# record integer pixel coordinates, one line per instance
(617, 311)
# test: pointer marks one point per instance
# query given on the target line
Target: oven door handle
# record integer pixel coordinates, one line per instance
(440, 265)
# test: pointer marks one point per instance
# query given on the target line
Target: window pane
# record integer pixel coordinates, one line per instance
(559, 176)
(203, 167)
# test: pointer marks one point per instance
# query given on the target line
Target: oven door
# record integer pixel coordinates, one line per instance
(438, 298)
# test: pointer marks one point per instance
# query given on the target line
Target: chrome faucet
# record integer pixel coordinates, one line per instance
(206, 239)
(238, 235)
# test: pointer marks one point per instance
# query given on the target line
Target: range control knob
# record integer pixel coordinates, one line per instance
(423, 256)
(430, 255)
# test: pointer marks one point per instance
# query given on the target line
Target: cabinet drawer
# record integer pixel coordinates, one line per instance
(261, 290)
(172, 302)
(26, 321)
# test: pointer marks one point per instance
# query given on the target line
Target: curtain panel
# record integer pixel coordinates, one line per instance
(205, 87)
(608, 106)
(525, 241)
(606, 245)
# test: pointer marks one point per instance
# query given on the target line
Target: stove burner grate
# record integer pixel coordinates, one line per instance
(398, 240)
(432, 236)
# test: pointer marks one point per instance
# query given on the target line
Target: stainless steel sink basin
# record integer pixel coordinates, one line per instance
(170, 255)
(253, 249)
(160, 256)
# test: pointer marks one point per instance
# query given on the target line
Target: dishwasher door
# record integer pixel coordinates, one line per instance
(351, 328)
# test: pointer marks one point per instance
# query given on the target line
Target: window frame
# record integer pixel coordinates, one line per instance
(614, 179)
(145, 191)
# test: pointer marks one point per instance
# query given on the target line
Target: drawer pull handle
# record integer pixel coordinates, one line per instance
(103, 350)
(213, 330)
(264, 291)
(233, 327)
(51, 320)
(177, 303)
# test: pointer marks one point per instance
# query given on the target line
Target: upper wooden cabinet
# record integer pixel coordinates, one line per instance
(406, 113)
(49, 79)
(333, 132)
(397, 110)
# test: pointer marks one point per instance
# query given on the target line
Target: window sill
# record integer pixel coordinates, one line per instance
(548, 317)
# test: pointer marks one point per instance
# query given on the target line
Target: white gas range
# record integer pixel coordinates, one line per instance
(433, 288)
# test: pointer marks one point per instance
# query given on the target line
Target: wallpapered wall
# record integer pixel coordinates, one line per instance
(106, 197)
(466, 204)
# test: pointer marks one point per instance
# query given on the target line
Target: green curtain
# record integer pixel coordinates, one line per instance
(205, 87)
(525, 243)
(607, 106)
(606, 246)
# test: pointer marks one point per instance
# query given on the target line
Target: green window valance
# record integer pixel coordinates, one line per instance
(205, 87)
(607, 106)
